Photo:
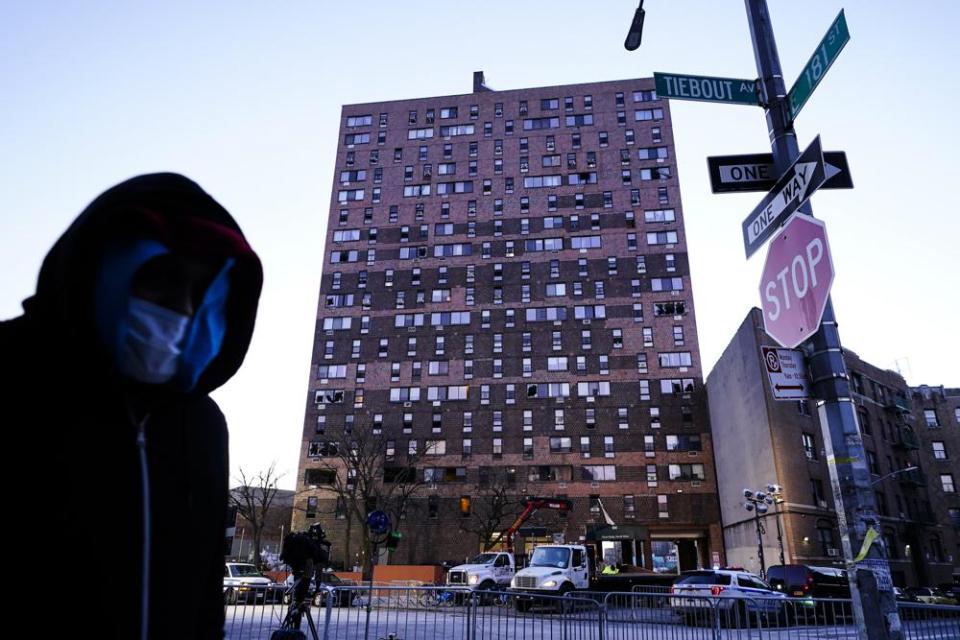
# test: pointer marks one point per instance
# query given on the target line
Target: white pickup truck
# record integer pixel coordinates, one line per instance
(491, 571)
(554, 570)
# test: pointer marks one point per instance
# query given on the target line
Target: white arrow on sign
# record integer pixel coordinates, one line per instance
(791, 190)
(796, 189)
(829, 170)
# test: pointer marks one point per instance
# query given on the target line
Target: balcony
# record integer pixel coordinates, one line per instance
(906, 439)
(913, 479)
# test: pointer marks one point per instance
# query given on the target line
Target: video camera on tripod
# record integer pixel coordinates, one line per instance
(306, 547)
(307, 553)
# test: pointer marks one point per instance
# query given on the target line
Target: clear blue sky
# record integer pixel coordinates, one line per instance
(245, 97)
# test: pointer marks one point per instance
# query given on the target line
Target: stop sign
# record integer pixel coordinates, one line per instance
(796, 281)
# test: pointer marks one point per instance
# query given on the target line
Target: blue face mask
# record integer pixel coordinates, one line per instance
(206, 332)
(151, 347)
(150, 343)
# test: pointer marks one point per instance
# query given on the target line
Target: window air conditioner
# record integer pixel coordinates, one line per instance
(833, 553)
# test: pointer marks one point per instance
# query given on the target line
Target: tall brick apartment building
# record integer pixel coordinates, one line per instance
(762, 441)
(506, 305)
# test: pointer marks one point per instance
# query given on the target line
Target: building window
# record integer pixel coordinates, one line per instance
(608, 448)
(816, 491)
(939, 450)
(528, 448)
(809, 446)
(641, 363)
(946, 482)
(662, 508)
(825, 537)
(930, 417)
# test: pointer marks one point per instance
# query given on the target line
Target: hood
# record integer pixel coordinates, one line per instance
(539, 572)
(252, 580)
(164, 207)
(472, 567)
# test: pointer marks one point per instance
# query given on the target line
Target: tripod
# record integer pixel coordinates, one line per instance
(299, 607)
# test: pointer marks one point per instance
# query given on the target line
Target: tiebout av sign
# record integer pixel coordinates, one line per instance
(706, 88)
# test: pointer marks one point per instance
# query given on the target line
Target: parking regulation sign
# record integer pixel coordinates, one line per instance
(787, 373)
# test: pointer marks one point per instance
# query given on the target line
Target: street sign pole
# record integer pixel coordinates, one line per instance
(849, 475)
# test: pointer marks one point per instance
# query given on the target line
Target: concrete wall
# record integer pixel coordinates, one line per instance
(743, 446)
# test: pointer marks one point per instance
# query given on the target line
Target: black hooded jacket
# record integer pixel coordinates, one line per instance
(71, 425)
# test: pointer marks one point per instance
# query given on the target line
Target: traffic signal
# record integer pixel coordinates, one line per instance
(393, 540)
(464, 506)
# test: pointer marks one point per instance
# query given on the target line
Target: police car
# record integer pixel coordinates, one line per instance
(739, 596)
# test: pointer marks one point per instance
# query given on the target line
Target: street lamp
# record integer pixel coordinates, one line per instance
(758, 502)
(912, 467)
(636, 30)
(776, 492)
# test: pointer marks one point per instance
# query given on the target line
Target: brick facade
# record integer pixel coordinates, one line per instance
(524, 253)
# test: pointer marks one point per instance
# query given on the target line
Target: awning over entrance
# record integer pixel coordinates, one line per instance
(601, 532)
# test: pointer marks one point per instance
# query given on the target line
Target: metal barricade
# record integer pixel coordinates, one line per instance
(445, 613)
(509, 616)
(928, 621)
(249, 618)
(656, 615)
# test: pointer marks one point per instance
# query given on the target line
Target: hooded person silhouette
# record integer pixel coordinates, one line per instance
(144, 306)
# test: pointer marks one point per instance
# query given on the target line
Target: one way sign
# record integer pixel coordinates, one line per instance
(755, 172)
(797, 184)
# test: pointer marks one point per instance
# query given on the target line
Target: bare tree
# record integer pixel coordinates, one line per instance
(253, 499)
(364, 476)
(492, 509)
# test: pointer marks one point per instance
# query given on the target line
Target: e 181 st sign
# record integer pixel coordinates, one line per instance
(827, 51)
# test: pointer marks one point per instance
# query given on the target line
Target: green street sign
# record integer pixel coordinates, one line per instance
(827, 51)
(706, 88)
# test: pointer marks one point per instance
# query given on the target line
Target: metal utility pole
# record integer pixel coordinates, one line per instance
(846, 458)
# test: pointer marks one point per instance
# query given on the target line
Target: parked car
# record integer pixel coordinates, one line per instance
(329, 583)
(951, 590)
(901, 596)
(244, 584)
(739, 597)
(816, 585)
(805, 581)
(930, 595)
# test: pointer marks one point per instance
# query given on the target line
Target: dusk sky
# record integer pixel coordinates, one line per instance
(245, 98)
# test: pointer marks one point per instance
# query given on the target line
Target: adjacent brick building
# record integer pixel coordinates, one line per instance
(761, 441)
(506, 305)
(936, 413)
